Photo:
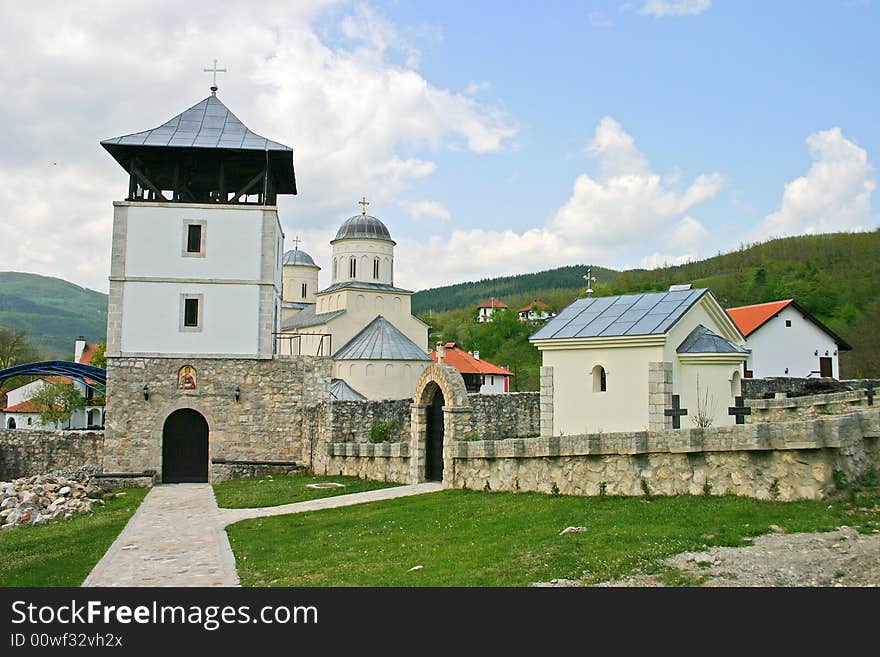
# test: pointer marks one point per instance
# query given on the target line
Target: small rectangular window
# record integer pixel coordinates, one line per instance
(376, 268)
(352, 267)
(304, 290)
(191, 312)
(194, 238)
(788, 322)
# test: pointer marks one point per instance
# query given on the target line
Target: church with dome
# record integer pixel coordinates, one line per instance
(365, 322)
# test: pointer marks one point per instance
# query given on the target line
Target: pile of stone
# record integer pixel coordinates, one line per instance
(37, 500)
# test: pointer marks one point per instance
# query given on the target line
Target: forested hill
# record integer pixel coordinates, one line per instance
(565, 279)
(52, 311)
(836, 277)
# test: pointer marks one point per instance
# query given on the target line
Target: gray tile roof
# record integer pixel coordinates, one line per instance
(309, 317)
(652, 313)
(298, 257)
(382, 287)
(341, 391)
(362, 226)
(703, 341)
(299, 305)
(207, 124)
(381, 340)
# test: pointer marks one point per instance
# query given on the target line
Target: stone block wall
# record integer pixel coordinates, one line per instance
(266, 424)
(659, 395)
(799, 387)
(28, 452)
(546, 401)
(784, 461)
(786, 409)
(512, 415)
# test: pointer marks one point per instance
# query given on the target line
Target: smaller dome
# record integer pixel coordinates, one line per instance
(297, 257)
(363, 226)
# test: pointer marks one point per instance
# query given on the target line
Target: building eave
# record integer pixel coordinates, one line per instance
(733, 358)
(608, 342)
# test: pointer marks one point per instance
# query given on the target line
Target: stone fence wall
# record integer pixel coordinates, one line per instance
(786, 409)
(785, 461)
(795, 387)
(512, 415)
(26, 452)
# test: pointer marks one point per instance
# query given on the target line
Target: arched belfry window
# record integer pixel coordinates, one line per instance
(376, 268)
(352, 267)
(600, 379)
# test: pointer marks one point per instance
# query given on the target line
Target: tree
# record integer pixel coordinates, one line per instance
(98, 358)
(15, 347)
(57, 402)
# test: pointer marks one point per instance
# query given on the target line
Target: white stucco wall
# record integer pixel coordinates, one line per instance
(381, 379)
(151, 319)
(776, 347)
(293, 278)
(232, 236)
(365, 250)
(494, 385)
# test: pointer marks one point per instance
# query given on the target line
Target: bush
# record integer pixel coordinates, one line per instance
(381, 432)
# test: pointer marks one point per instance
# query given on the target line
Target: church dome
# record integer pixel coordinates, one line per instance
(297, 257)
(363, 226)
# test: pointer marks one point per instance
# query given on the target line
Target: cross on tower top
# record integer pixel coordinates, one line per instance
(590, 279)
(215, 71)
(364, 203)
(296, 241)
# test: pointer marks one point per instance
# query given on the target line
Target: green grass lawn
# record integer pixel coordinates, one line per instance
(470, 538)
(63, 552)
(285, 489)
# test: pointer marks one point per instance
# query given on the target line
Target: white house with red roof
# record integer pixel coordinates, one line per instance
(487, 308)
(19, 412)
(479, 375)
(786, 340)
(536, 311)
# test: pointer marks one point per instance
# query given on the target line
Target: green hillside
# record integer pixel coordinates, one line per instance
(836, 277)
(52, 311)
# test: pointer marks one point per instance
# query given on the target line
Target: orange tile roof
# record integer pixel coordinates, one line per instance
(27, 406)
(467, 364)
(492, 302)
(88, 353)
(534, 304)
(750, 318)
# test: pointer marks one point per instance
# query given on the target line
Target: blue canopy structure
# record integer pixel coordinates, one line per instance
(91, 376)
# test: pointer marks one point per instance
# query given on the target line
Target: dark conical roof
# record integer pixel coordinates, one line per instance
(363, 226)
(297, 257)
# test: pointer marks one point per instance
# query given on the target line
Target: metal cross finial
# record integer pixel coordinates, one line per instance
(590, 279)
(364, 203)
(296, 241)
(215, 71)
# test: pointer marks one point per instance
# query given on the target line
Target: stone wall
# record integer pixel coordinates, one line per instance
(265, 424)
(511, 415)
(794, 387)
(786, 409)
(28, 452)
(785, 461)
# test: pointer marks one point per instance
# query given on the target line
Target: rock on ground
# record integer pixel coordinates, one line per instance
(38, 499)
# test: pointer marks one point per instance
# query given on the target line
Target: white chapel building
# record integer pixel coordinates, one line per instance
(362, 319)
(640, 362)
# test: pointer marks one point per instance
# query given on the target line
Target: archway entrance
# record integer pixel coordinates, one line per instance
(436, 429)
(185, 447)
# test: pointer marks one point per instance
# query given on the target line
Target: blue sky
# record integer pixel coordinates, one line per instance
(491, 137)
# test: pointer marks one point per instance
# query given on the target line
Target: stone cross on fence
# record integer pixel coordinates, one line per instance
(740, 410)
(676, 412)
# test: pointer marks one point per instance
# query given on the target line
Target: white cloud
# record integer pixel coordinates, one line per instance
(360, 116)
(598, 19)
(834, 195)
(617, 215)
(663, 8)
(426, 211)
(473, 87)
(688, 233)
(660, 260)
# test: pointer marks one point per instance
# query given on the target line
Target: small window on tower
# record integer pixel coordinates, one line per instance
(376, 268)
(352, 267)
(304, 290)
(191, 312)
(194, 239)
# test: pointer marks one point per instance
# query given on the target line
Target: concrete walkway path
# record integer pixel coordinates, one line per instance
(177, 535)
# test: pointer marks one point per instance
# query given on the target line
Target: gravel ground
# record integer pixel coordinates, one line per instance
(839, 558)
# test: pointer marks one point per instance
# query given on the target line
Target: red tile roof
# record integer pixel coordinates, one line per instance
(492, 302)
(540, 305)
(88, 353)
(750, 318)
(27, 406)
(467, 364)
